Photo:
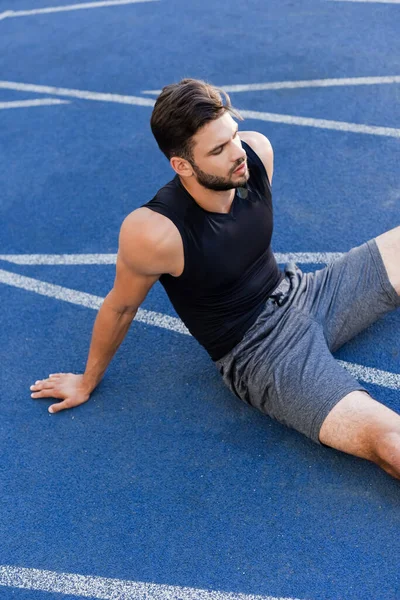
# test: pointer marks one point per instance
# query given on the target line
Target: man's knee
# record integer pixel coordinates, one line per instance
(360, 425)
(386, 450)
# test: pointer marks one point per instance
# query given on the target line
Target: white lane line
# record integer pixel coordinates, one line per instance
(311, 83)
(261, 116)
(29, 103)
(321, 123)
(4, 15)
(72, 93)
(87, 300)
(60, 259)
(314, 258)
(368, 374)
(103, 588)
(371, 1)
(55, 9)
(371, 375)
(110, 259)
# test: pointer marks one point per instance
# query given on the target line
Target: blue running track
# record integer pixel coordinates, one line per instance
(164, 485)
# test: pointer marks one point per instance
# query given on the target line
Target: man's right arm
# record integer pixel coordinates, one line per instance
(148, 247)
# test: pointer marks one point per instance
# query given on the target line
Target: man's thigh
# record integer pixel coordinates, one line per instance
(350, 294)
(290, 374)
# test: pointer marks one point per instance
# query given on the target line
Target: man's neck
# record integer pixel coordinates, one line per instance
(209, 200)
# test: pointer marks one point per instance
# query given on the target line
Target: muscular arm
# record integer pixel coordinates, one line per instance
(114, 319)
(147, 248)
(149, 245)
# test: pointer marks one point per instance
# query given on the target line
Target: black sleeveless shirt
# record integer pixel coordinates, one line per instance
(230, 269)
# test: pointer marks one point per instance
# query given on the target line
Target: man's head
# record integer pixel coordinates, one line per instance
(195, 130)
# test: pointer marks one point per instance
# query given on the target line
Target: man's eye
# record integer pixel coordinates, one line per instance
(217, 151)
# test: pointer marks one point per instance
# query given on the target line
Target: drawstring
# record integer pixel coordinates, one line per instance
(281, 294)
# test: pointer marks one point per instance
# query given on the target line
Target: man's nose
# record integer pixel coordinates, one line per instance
(238, 154)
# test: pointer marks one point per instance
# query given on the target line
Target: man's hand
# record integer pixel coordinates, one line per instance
(65, 386)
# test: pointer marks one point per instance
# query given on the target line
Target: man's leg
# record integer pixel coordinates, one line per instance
(358, 424)
(362, 426)
(389, 247)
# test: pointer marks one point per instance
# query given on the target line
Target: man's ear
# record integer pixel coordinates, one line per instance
(181, 166)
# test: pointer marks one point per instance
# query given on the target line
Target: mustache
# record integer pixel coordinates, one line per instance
(238, 165)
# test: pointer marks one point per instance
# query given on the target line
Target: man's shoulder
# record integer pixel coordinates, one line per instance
(168, 190)
(149, 242)
(152, 224)
(261, 145)
(146, 225)
(257, 142)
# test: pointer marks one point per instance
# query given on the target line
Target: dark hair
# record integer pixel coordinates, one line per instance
(181, 110)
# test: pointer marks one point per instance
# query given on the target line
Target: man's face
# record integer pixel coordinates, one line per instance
(217, 154)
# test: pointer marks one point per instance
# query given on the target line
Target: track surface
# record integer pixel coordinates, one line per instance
(165, 478)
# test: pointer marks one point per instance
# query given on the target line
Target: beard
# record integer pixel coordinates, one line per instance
(219, 184)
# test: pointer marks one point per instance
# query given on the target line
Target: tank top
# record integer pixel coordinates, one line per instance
(229, 268)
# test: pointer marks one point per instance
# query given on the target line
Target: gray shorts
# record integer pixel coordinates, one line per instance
(283, 366)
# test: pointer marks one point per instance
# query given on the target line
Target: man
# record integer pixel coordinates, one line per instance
(206, 236)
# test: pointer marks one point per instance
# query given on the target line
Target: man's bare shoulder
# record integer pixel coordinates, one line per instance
(262, 147)
(150, 242)
(147, 226)
(257, 141)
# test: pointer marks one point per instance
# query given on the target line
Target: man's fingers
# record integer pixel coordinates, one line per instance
(65, 387)
(46, 390)
(55, 408)
(51, 378)
(44, 394)
(42, 385)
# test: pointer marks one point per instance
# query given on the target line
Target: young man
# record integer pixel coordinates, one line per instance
(206, 236)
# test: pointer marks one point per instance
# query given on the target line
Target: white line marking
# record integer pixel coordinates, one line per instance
(261, 116)
(60, 259)
(29, 103)
(304, 258)
(321, 123)
(311, 83)
(4, 15)
(110, 589)
(88, 300)
(371, 1)
(110, 259)
(368, 374)
(85, 95)
(56, 9)
(371, 375)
